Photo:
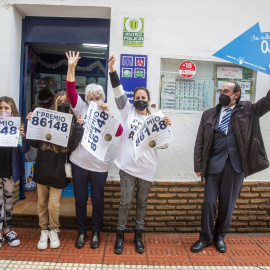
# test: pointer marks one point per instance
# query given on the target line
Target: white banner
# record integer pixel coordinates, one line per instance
(100, 128)
(9, 132)
(152, 134)
(49, 126)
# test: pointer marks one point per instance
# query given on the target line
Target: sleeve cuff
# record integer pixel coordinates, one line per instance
(114, 79)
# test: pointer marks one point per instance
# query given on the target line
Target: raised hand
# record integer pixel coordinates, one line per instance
(111, 62)
(72, 59)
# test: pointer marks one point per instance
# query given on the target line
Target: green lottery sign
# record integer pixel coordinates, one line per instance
(133, 34)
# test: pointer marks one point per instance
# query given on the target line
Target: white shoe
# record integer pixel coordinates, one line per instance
(11, 238)
(54, 240)
(43, 240)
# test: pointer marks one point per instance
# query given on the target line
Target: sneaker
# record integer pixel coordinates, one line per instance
(43, 240)
(54, 240)
(11, 238)
(1, 241)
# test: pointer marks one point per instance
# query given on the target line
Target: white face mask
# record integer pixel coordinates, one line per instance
(5, 114)
(98, 101)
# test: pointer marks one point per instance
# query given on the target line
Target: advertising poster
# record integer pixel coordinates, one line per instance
(133, 31)
(133, 73)
(9, 132)
(100, 128)
(49, 126)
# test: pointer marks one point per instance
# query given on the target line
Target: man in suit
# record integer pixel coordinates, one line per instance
(229, 147)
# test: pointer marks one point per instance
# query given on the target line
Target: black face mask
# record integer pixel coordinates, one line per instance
(224, 100)
(62, 107)
(140, 105)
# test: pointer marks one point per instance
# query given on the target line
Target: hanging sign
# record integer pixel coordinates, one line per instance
(133, 34)
(9, 131)
(251, 49)
(187, 69)
(133, 73)
(49, 126)
(100, 128)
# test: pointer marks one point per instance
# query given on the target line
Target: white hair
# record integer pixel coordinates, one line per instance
(94, 89)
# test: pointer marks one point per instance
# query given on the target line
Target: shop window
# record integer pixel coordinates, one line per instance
(201, 91)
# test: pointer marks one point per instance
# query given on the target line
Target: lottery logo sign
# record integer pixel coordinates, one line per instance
(100, 128)
(9, 132)
(140, 62)
(50, 126)
(187, 69)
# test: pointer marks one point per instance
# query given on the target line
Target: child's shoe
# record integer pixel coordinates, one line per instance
(11, 238)
(43, 240)
(1, 241)
(54, 240)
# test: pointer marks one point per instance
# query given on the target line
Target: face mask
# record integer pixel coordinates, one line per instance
(5, 114)
(224, 100)
(62, 107)
(140, 105)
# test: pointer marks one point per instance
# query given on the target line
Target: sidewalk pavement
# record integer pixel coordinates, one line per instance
(163, 251)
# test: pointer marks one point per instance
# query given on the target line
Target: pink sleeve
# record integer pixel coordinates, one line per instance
(72, 94)
(119, 131)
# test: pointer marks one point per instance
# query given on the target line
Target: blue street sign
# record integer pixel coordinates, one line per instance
(251, 49)
(133, 73)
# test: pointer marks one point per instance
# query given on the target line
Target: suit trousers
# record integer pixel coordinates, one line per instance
(224, 186)
(48, 206)
(81, 178)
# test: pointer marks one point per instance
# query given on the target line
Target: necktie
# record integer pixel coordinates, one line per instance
(225, 120)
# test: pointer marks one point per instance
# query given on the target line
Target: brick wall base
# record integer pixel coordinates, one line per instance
(176, 207)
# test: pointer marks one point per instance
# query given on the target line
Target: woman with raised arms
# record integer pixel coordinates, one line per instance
(86, 167)
(132, 172)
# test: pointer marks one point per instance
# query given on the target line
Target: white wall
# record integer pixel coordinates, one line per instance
(173, 29)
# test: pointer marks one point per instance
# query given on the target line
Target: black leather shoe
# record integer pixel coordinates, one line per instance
(119, 242)
(95, 240)
(79, 243)
(220, 246)
(198, 246)
(138, 241)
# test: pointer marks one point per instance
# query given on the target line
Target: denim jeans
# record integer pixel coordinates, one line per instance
(128, 183)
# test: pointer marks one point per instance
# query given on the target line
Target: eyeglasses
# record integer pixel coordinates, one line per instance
(225, 91)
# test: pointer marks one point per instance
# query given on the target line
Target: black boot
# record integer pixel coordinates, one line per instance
(95, 240)
(118, 247)
(138, 241)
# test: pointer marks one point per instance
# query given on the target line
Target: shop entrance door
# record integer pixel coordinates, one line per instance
(43, 61)
(44, 42)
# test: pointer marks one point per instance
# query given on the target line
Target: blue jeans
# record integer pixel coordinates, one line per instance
(128, 183)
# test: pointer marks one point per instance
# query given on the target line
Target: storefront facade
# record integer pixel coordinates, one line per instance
(173, 32)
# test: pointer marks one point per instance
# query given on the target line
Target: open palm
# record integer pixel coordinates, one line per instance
(72, 58)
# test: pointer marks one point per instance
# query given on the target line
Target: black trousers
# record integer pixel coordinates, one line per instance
(81, 178)
(224, 186)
